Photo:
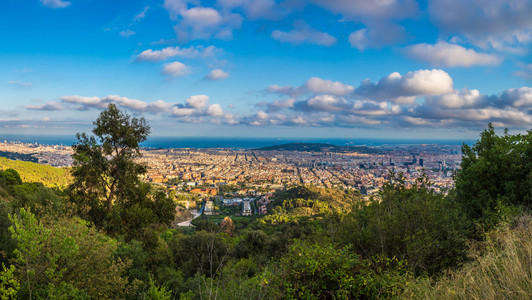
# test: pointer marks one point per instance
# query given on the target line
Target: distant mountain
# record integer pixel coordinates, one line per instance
(319, 147)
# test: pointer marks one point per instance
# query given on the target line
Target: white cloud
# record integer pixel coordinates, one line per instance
(521, 97)
(451, 55)
(304, 34)
(202, 16)
(175, 69)
(87, 102)
(205, 22)
(217, 74)
(127, 33)
(325, 103)
(314, 85)
(321, 86)
(215, 110)
(261, 115)
(55, 3)
(404, 89)
(197, 101)
(181, 112)
(195, 109)
(169, 52)
(458, 99)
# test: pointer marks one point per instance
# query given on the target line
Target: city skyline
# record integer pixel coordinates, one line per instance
(264, 68)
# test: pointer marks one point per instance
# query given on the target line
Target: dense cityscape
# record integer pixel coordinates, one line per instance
(203, 171)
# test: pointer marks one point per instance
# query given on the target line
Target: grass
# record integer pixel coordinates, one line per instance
(502, 271)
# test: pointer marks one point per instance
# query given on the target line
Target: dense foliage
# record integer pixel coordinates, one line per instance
(314, 244)
(496, 176)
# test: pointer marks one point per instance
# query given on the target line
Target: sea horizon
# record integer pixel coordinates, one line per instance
(167, 142)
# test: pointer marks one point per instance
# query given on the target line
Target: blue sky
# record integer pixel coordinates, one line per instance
(268, 68)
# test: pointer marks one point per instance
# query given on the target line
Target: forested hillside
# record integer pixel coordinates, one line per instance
(33, 172)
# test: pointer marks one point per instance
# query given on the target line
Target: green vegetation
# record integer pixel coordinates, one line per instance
(32, 172)
(109, 236)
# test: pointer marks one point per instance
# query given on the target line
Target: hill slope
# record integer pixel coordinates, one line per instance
(32, 172)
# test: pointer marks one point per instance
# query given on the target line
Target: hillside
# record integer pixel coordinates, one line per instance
(311, 200)
(319, 147)
(32, 172)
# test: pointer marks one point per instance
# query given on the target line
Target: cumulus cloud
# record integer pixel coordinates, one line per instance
(304, 34)
(458, 99)
(418, 98)
(199, 22)
(404, 89)
(194, 109)
(520, 98)
(170, 52)
(175, 69)
(215, 110)
(55, 3)
(86, 102)
(443, 54)
(197, 101)
(314, 85)
(217, 74)
(321, 86)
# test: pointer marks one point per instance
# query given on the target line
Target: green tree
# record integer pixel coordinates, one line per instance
(65, 259)
(496, 175)
(105, 171)
(10, 177)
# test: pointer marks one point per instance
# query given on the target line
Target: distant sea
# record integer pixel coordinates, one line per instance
(236, 142)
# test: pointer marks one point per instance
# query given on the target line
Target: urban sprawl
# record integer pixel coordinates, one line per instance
(234, 176)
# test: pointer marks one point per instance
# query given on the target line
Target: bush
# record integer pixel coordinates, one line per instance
(320, 271)
(415, 224)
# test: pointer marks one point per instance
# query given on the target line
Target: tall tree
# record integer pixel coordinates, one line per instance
(105, 170)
